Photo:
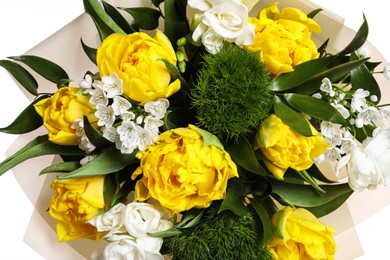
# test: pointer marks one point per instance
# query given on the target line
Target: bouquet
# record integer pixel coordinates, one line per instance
(201, 132)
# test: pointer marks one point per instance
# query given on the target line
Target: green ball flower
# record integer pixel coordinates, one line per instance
(232, 94)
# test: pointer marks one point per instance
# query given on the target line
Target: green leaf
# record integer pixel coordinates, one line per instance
(301, 74)
(94, 136)
(110, 188)
(104, 23)
(265, 218)
(27, 121)
(305, 176)
(118, 18)
(327, 208)
(315, 107)
(46, 68)
(37, 147)
(317, 174)
(301, 195)
(146, 18)
(21, 75)
(176, 23)
(313, 13)
(91, 52)
(208, 138)
(291, 117)
(124, 191)
(156, 3)
(234, 203)
(61, 167)
(242, 153)
(108, 161)
(359, 39)
(362, 78)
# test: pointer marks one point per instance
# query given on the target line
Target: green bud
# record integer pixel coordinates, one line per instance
(181, 42)
(182, 66)
(180, 55)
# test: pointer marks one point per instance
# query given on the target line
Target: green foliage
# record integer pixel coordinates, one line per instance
(232, 94)
(221, 236)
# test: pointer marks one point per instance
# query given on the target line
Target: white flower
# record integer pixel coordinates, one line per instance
(120, 105)
(144, 138)
(227, 21)
(128, 116)
(111, 134)
(112, 85)
(332, 132)
(385, 113)
(84, 143)
(105, 114)
(368, 163)
(98, 96)
(157, 108)
(86, 84)
(333, 153)
(386, 71)
(358, 102)
(326, 86)
(210, 39)
(110, 221)
(363, 52)
(128, 249)
(152, 124)
(367, 115)
(87, 159)
(342, 110)
(317, 95)
(140, 218)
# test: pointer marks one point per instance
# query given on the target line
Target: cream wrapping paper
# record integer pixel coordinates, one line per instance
(36, 228)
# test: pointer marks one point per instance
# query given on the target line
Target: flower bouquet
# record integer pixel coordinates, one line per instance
(201, 131)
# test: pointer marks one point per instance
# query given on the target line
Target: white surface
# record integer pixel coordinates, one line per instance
(25, 23)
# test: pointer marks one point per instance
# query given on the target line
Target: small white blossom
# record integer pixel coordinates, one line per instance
(157, 108)
(386, 71)
(112, 85)
(98, 96)
(120, 105)
(86, 84)
(317, 95)
(83, 141)
(111, 134)
(363, 52)
(105, 114)
(367, 115)
(139, 120)
(326, 86)
(342, 110)
(374, 98)
(144, 138)
(358, 102)
(333, 153)
(128, 116)
(385, 113)
(87, 159)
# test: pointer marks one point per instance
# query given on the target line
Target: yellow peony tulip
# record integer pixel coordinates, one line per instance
(181, 172)
(60, 111)
(74, 202)
(135, 58)
(283, 39)
(300, 235)
(285, 148)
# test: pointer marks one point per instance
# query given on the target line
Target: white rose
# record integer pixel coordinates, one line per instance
(140, 218)
(110, 221)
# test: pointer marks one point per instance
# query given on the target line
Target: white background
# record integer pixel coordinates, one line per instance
(25, 23)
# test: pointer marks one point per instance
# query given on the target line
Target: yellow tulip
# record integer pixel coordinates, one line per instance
(60, 111)
(300, 235)
(74, 202)
(285, 148)
(283, 39)
(181, 172)
(136, 60)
